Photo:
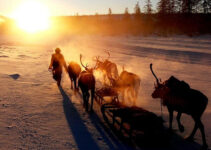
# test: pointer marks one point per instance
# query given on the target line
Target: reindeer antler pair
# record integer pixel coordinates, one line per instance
(98, 57)
(86, 67)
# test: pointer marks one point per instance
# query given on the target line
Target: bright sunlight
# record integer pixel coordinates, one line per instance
(32, 16)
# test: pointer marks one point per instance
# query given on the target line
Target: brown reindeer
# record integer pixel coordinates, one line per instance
(106, 91)
(74, 71)
(183, 100)
(86, 82)
(108, 68)
(127, 82)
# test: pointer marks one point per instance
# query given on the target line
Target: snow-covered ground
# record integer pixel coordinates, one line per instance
(36, 114)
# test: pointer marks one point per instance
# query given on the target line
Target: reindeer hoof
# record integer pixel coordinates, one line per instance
(181, 128)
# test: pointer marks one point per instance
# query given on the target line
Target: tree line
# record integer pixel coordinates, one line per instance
(173, 6)
(190, 17)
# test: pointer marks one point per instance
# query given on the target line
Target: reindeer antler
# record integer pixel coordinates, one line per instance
(154, 74)
(82, 63)
(96, 58)
(108, 53)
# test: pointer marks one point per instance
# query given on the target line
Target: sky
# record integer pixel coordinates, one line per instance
(71, 7)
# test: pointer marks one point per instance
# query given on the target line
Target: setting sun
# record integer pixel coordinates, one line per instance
(32, 16)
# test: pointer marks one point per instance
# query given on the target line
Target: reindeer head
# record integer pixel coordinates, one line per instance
(160, 91)
(101, 63)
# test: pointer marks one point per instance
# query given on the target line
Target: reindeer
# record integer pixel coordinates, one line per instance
(127, 82)
(74, 71)
(108, 68)
(190, 101)
(86, 82)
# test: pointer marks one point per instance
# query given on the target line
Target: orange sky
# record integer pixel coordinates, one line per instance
(71, 7)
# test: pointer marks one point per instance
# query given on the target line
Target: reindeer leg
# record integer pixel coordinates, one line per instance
(134, 96)
(109, 76)
(201, 127)
(190, 137)
(84, 98)
(123, 96)
(170, 117)
(92, 98)
(198, 124)
(71, 83)
(129, 95)
(104, 78)
(87, 101)
(180, 126)
(75, 84)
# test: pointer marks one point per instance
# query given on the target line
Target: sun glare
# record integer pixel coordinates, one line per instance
(32, 16)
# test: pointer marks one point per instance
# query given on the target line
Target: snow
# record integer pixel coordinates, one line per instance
(36, 114)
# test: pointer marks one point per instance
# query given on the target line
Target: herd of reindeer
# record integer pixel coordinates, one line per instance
(175, 94)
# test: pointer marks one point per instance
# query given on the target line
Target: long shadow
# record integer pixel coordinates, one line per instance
(82, 136)
(114, 144)
(105, 131)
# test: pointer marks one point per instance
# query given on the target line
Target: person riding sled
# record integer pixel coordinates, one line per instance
(57, 62)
